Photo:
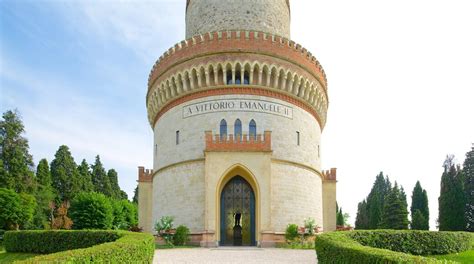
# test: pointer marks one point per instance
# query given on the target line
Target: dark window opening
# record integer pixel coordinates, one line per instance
(297, 138)
(223, 128)
(177, 137)
(246, 78)
(238, 128)
(229, 77)
(253, 129)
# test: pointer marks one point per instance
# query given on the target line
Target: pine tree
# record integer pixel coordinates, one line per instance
(375, 200)
(64, 174)
(85, 177)
(99, 177)
(395, 213)
(16, 170)
(468, 170)
(452, 198)
(44, 194)
(419, 203)
(362, 218)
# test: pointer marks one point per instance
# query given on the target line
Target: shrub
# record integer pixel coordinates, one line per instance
(181, 236)
(164, 226)
(38, 241)
(125, 214)
(415, 242)
(352, 246)
(310, 224)
(114, 247)
(91, 210)
(17, 209)
(291, 232)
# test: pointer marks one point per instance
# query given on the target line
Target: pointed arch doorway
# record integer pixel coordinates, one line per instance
(237, 213)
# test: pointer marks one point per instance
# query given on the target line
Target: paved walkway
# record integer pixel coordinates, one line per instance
(234, 255)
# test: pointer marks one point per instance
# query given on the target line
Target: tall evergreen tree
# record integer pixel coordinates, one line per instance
(395, 213)
(85, 177)
(419, 202)
(362, 218)
(64, 174)
(135, 195)
(99, 177)
(44, 194)
(375, 200)
(452, 198)
(340, 218)
(16, 170)
(114, 191)
(468, 170)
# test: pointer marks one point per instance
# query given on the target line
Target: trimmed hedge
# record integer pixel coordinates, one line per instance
(82, 246)
(45, 242)
(415, 242)
(344, 247)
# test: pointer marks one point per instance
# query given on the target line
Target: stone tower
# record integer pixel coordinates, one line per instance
(237, 111)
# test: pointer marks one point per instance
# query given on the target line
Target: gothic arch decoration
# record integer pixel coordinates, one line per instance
(304, 87)
(245, 176)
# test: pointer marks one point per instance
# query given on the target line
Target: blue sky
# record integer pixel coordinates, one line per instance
(400, 82)
(77, 71)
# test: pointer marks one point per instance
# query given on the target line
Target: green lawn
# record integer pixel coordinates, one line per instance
(463, 257)
(6, 257)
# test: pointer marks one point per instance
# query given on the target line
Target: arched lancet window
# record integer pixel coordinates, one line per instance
(223, 128)
(237, 78)
(238, 129)
(229, 77)
(246, 78)
(253, 129)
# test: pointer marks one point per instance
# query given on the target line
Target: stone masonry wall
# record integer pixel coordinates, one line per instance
(272, 16)
(296, 195)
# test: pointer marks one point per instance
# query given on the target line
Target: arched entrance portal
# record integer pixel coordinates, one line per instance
(237, 214)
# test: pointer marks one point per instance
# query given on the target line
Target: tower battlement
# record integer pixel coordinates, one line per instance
(145, 175)
(236, 41)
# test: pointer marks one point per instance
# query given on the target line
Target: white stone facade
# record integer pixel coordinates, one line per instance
(191, 131)
(271, 16)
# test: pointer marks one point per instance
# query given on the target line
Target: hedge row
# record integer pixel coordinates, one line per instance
(45, 242)
(342, 247)
(104, 246)
(415, 242)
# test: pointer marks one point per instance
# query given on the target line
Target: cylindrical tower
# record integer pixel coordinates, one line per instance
(237, 111)
(270, 16)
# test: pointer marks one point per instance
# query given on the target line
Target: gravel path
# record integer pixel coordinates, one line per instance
(234, 255)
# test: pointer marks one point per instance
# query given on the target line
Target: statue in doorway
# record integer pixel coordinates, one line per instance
(237, 217)
(237, 230)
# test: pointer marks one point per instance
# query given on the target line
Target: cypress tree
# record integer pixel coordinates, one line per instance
(452, 198)
(468, 170)
(135, 195)
(419, 208)
(395, 213)
(85, 177)
(16, 170)
(362, 218)
(375, 200)
(99, 177)
(64, 174)
(114, 191)
(340, 218)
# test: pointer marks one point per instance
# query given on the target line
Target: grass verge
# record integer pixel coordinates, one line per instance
(461, 257)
